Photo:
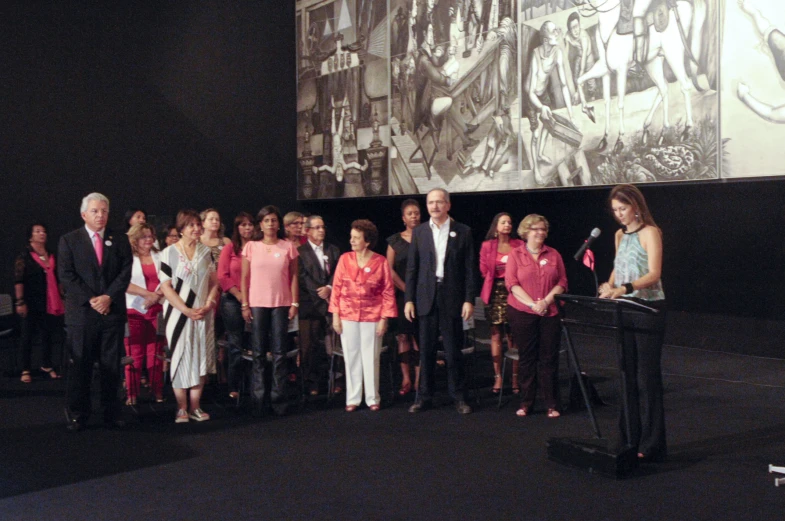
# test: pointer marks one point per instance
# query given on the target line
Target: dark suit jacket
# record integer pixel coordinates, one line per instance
(313, 277)
(459, 283)
(83, 279)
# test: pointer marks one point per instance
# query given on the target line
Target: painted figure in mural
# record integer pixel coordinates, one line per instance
(580, 56)
(667, 41)
(507, 34)
(775, 40)
(545, 59)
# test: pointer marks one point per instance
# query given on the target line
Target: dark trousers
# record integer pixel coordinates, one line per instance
(270, 327)
(537, 339)
(437, 322)
(234, 324)
(643, 369)
(99, 341)
(47, 326)
(312, 351)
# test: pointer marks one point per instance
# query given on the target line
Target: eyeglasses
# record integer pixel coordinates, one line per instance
(173, 236)
(538, 230)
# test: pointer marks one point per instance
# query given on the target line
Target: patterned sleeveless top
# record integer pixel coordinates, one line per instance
(632, 262)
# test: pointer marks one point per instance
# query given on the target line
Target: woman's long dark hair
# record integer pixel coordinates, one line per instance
(237, 241)
(494, 223)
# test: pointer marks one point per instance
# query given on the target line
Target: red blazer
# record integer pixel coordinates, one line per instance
(363, 294)
(488, 265)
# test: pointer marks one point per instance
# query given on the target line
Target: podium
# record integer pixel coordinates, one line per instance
(598, 455)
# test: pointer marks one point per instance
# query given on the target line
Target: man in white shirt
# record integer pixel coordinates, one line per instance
(440, 291)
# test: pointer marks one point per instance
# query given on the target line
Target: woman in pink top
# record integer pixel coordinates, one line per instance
(535, 275)
(230, 269)
(269, 287)
(362, 300)
(143, 300)
(494, 254)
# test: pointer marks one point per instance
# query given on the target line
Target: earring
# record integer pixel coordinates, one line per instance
(495, 234)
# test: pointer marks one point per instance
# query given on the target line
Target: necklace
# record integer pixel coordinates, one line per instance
(532, 251)
(269, 246)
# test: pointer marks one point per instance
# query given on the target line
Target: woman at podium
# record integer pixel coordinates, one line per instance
(636, 276)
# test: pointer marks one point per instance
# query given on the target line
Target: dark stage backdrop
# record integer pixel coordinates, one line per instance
(192, 104)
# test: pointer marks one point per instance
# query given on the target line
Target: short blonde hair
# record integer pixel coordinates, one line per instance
(529, 221)
(136, 233)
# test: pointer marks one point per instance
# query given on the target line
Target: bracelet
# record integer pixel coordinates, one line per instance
(628, 288)
(296, 304)
(20, 302)
(531, 306)
(211, 301)
(244, 306)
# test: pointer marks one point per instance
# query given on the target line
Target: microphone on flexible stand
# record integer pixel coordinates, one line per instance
(588, 256)
(587, 243)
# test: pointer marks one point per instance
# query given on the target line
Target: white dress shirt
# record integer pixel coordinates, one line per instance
(319, 251)
(440, 236)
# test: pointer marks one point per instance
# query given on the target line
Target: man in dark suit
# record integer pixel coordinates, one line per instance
(95, 269)
(317, 261)
(440, 289)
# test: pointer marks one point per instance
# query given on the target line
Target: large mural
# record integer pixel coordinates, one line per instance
(401, 96)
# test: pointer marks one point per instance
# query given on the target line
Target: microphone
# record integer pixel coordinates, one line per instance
(585, 246)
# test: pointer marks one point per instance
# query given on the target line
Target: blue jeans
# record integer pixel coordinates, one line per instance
(232, 315)
(270, 326)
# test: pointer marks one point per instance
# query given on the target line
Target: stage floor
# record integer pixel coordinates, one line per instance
(725, 418)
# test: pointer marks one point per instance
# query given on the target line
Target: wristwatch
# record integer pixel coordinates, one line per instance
(296, 304)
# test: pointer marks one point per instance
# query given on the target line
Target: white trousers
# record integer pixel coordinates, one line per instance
(361, 352)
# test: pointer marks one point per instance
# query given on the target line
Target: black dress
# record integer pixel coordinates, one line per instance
(400, 325)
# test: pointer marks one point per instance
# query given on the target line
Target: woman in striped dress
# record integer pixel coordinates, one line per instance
(189, 283)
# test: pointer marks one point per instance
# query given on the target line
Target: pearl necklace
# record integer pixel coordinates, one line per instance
(533, 252)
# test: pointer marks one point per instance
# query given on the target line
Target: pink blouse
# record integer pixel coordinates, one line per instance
(363, 294)
(536, 277)
(230, 268)
(270, 280)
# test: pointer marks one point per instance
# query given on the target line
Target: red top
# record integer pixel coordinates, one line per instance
(230, 268)
(536, 277)
(363, 294)
(151, 283)
(488, 265)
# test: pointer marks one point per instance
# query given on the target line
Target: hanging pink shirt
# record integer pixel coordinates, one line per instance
(270, 280)
(54, 303)
(536, 277)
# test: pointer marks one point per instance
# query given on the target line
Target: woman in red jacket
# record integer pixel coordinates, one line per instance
(362, 300)
(494, 253)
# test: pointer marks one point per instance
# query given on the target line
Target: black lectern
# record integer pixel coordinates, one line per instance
(610, 458)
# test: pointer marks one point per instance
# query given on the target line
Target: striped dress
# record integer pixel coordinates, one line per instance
(192, 342)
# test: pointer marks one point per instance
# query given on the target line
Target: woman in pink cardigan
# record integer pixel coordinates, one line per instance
(494, 253)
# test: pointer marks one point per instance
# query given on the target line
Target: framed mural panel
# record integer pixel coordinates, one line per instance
(454, 86)
(753, 88)
(343, 135)
(619, 91)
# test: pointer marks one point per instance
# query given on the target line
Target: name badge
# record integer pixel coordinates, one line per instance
(108, 242)
(452, 234)
(367, 270)
(277, 255)
(543, 262)
(504, 259)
